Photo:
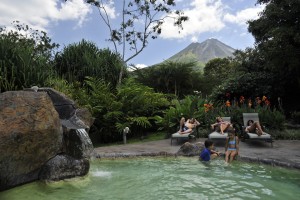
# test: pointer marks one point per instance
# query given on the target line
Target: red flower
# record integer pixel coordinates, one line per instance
(228, 103)
(208, 107)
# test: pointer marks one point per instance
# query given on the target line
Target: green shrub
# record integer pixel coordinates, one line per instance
(189, 107)
(25, 58)
(295, 117)
(79, 60)
(286, 134)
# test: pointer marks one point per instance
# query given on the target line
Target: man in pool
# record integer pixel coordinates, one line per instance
(208, 153)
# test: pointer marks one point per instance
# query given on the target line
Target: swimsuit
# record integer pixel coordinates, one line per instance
(184, 128)
(232, 143)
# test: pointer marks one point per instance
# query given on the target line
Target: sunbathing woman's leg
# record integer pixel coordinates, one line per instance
(181, 124)
(223, 127)
(258, 128)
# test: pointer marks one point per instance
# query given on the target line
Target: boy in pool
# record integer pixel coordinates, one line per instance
(208, 152)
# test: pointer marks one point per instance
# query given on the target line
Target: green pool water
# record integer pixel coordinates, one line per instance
(163, 178)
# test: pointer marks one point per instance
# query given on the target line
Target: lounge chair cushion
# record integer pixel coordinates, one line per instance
(178, 135)
(217, 135)
(255, 136)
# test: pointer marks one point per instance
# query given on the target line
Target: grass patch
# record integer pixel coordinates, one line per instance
(150, 137)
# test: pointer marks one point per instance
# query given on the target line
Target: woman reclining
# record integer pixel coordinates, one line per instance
(253, 127)
(221, 125)
(187, 126)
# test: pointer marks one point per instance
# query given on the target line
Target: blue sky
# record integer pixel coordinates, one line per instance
(71, 21)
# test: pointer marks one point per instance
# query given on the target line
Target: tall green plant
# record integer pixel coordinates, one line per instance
(140, 104)
(25, 57)
(78, 60)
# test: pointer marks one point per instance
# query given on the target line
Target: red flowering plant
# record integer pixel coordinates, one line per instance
(213, 110)
(233, 105)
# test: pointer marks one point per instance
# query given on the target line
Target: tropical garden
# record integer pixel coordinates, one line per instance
(150, 101)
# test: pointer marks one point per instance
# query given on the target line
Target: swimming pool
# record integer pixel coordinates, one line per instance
(150, 178)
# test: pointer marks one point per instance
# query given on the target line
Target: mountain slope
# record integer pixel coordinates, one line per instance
(203, 52)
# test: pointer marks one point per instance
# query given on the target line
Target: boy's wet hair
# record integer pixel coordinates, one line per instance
(208, 143)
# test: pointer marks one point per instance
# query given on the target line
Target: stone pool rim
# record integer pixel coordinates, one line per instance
(274, 163)
(285, 153)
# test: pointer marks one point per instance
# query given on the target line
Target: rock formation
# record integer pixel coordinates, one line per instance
(42, 136)
(189, 149)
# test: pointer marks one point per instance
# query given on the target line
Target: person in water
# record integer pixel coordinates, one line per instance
(208, 153)
(231, 146)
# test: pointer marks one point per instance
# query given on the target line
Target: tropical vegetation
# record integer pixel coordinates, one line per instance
(263, 79)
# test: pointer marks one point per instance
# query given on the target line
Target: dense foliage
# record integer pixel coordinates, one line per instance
(131, 105)
(171, 78)
(25, 60)
(277, 38)
(78, 60)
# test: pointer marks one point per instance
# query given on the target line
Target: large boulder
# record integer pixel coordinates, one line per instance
(189, 149)
(62, 167)
(67, 109)
(64, 106)
(30, 135)
(43, 135)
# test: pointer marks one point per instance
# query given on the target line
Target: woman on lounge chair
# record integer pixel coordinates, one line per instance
(221, 125)
(253, 127)
(187, 126)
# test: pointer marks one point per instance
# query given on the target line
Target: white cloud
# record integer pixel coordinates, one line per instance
(140, 66)
(204, 16)
(39, 14)
(208, 16)
(137, 66)
(194, 39)
(243, 16)
(110, 9)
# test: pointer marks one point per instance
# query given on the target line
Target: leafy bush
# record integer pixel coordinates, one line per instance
(295, 117)
(25, 58)
(189, 107)
(78, 60)
(287, 134)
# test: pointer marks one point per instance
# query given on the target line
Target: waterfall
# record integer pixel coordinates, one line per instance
(86, 143)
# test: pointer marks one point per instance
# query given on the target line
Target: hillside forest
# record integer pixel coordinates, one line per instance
(262, 79)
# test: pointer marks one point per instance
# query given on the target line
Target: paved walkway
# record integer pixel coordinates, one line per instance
(284, 153)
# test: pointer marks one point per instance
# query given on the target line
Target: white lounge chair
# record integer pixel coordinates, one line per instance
(186, 136)
(218, 135)
(253, 136)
